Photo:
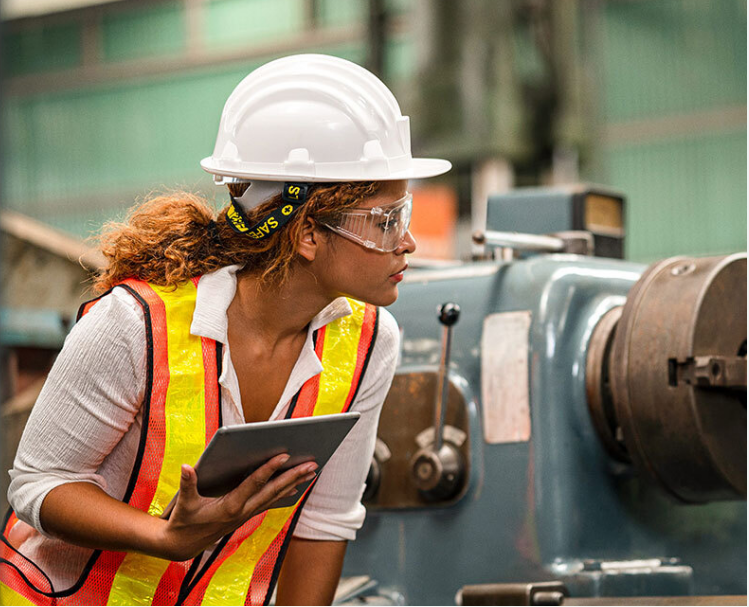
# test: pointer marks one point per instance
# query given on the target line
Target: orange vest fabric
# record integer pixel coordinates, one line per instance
(181, 412)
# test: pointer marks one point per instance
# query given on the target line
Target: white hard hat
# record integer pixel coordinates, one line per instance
(315, 118)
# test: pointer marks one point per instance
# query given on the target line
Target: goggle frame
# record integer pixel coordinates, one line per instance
(373, 214)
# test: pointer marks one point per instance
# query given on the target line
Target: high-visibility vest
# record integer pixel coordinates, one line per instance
(181, 412)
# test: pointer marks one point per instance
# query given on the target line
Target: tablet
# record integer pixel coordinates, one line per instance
(235, 452)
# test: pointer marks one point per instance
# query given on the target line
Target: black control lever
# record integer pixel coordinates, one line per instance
(438, 469)
(448, 314)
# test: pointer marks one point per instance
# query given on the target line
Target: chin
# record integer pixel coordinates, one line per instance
(380, 299)
(388, 298)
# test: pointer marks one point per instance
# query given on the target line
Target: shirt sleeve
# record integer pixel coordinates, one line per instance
(89, 401)
(334, 510)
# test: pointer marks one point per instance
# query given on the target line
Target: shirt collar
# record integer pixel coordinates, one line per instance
(216, 292)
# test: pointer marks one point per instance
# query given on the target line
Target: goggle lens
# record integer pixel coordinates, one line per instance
(381, 228)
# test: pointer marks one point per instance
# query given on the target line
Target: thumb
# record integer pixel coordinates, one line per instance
(188, 483)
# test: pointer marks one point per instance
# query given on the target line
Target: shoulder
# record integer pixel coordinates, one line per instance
(117, 306)
(117, 318)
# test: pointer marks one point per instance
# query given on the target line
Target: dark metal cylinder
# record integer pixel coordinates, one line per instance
(675, 369)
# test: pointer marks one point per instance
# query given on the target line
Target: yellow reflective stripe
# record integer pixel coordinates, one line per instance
(339, 360)
(184, 411)
(136, 580)
(231, 581)
(8, 596)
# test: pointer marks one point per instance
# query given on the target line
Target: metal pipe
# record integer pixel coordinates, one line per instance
(517, 240)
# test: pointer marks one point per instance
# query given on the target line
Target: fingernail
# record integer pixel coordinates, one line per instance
(310, 467)
(185, 473)
(309, 476)
(293, 492)
(285, 458)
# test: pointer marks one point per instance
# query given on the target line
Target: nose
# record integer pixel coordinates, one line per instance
(407, 245)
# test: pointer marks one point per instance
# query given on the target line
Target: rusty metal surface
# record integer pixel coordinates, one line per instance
(408, 410)
(555, 593)
(659, 600)
(531, 593)
(598, 384)
(687, 434)
(710, 371)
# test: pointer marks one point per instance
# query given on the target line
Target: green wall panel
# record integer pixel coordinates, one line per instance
(400, 58)
(398, 7)
(153, 31)
(687, 193)
(337, 13)
(245, 22)
(100, 143)
(684, 197)
(80, 157)
(672, 56)
(46, 49)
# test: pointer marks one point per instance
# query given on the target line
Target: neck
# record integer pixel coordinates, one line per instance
(275, 313)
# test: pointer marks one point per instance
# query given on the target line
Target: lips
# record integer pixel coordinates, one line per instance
(398, 276)
(399, 272)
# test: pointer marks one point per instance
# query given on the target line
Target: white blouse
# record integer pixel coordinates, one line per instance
(86, 424)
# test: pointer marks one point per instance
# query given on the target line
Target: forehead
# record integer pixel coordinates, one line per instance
(389, 191)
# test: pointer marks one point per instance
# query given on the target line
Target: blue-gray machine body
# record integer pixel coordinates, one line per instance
(543, 499)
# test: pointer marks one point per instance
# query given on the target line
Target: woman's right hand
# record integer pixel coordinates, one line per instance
(197, 522)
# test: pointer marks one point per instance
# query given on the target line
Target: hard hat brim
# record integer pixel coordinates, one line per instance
(421, 168)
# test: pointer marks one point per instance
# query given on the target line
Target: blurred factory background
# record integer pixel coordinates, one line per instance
(104, 102)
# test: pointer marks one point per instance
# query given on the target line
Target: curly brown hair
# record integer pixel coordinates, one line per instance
(168, 239)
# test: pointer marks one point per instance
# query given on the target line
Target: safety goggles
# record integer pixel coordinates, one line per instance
(381, 228)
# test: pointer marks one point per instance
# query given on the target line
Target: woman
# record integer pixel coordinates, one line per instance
(251, 316)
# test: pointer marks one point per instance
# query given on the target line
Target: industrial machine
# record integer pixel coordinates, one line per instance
(561, 425)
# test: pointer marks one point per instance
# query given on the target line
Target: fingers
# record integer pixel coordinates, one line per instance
(294, 488)
(282, 486)
(188, 483)
(258, 479)
(257, 492)
(217, 516)
(295, 476)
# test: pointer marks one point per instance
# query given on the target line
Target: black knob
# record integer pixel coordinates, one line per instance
(448, 314)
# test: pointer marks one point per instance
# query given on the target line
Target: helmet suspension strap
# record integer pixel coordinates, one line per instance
(294, 196)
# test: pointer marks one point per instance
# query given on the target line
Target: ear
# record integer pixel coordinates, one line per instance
(309, 240)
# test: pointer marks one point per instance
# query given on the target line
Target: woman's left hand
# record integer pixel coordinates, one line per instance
(197, 522)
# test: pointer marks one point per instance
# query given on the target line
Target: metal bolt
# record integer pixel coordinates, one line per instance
(682, 269)
(478, 237)
(424, 470)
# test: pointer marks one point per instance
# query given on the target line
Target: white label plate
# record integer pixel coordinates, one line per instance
(504, 377)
